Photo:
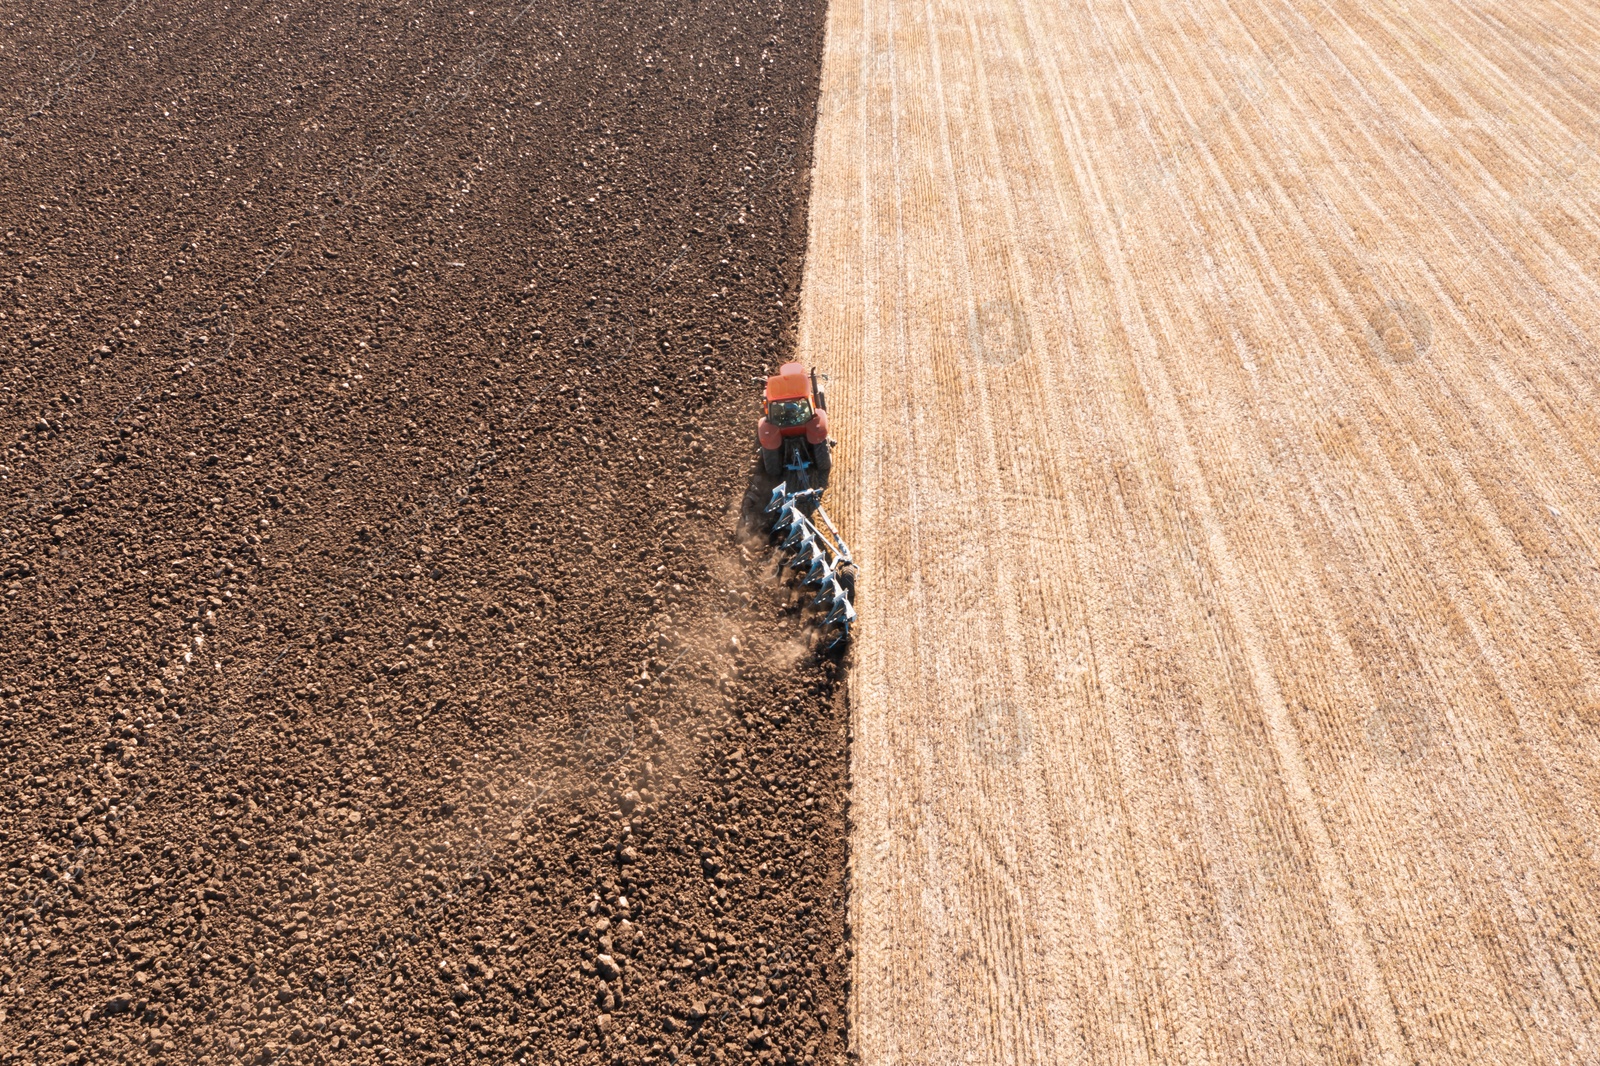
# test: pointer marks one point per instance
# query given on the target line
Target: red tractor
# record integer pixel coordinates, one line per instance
(793, 431)
(796, 453)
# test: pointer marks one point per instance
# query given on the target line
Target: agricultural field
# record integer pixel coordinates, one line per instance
(1217, 384)
(390, 673)
(382, 681)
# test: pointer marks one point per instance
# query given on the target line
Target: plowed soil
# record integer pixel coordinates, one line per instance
(382, 680)
(1218, 384)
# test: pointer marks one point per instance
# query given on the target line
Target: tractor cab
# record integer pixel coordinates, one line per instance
(794, 421)
(790, 399)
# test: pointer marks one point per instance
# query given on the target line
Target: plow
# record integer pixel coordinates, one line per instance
(793, 436)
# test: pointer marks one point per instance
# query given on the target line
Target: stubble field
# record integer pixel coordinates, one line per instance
(1221, 449)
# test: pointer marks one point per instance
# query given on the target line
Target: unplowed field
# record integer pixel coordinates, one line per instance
(1221, 409)
(381, 680)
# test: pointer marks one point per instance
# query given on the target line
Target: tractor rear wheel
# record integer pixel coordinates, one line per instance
(772, 461)
(822, 455)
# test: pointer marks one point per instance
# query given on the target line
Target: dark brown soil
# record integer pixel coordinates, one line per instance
(382, 680)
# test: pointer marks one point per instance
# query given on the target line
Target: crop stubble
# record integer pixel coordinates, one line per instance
(1220, 447)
